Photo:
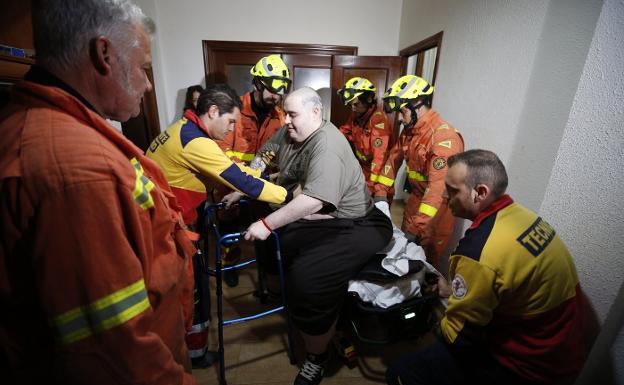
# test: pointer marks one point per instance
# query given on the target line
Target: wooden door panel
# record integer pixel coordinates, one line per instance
(218, 54)
(380, 70)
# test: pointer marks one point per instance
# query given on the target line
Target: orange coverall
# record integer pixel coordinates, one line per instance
(370, 137)
(425, 148)
(92, 250)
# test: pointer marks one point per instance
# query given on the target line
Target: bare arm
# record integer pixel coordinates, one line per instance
(301, 206)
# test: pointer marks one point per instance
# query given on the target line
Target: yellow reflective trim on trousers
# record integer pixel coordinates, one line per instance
(384, 180)
(361, 156)
(110, 311)
(415, 175)
(428, 210)
(142, 187)
(246, 157)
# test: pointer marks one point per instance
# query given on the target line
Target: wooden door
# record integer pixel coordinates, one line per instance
(380, 70)
(309, 64)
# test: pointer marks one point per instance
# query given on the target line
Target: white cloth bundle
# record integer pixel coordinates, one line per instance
(398, 254)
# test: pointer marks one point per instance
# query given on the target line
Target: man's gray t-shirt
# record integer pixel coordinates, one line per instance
(326, 169)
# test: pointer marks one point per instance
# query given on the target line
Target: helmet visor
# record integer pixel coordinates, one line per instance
(277, 84)
(348, 94)
(393, 103)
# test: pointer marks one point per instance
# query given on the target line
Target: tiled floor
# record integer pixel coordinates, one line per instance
(255, 351)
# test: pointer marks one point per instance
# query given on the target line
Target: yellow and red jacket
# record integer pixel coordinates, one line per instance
(425, 148)
(92, 256)
(194, 164)
(516, 293)
(370, 136)
(249, 134)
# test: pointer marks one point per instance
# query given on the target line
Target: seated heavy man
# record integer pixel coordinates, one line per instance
(328, 232)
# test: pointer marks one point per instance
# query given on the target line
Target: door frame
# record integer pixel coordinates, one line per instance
(420, 47)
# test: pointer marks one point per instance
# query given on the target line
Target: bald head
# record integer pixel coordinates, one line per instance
(308, 98)
(304, 113)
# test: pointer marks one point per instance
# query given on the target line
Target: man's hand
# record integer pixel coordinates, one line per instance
(257, 231)
(443, 287)
(273, 177)
(232, 198)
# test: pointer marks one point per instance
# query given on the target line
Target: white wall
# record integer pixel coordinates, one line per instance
(561, 53)
(371, 25)
(584, 197)
(486, 48)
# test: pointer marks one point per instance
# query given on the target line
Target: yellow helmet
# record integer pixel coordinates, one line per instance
(355, 87)
(403, 90)
(273, 74)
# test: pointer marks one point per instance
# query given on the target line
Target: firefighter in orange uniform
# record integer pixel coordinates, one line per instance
(368, 129)
(261, 116)
(92, 246)
(425, 143)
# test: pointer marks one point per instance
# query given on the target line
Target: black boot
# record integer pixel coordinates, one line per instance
(205, 360)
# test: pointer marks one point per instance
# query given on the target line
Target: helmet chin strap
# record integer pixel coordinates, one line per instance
(414, 114)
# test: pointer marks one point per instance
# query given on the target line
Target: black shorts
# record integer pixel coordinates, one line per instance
(321, 257)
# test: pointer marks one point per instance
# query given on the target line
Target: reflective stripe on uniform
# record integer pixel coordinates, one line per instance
(384, 180)
(106, 313)
(415, 175)
(142, 187)
(362, 156)
(240, 155)
(428, 210)
(374, 177)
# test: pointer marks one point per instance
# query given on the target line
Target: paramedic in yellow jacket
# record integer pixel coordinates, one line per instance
(425, 144)
(515, 309)
(194, 164)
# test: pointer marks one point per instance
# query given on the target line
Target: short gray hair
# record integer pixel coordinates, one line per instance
(483, 167)
(63, 29)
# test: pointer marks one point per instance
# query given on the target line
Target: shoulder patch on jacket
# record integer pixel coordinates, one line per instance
(190, 131)
(380, 125)
(445, 143)
(439, 163)
(471, 245)
(459, 287)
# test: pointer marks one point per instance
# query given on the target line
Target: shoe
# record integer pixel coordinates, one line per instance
(230, 277)
(310, 374)
(205, 360)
